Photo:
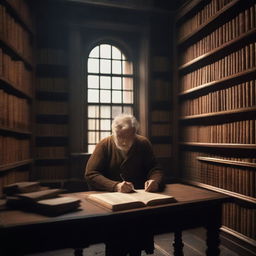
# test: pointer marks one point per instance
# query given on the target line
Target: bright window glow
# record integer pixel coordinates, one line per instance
(109, 90)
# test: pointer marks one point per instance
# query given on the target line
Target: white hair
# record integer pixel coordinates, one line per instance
(125, 119)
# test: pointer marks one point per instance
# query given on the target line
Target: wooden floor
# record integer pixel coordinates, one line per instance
(193, 246)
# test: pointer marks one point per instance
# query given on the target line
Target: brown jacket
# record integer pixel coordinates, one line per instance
(107, 162)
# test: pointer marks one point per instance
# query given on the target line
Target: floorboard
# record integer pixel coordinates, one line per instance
(194, 245)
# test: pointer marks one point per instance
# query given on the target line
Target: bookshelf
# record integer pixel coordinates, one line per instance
(52, 101)
(16, 91)
(217, 107)
(160, 91)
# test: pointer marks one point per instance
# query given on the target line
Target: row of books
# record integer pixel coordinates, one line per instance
(238, 61)
(14, 34)
(15, 72)
(52, 84)
(201, 17)
(237, 179)
(52, 108)
(240, 219)
(162, 150)
(13, 175)
(52, 172)
(22, 9)
(242, 23)
(235, 97)
(160, 90)
(51, 56)
(242, 181)
(160, 130)
(241, 132)
(14, 149)
(14, 111)
(160, 116)
(51, 130)
(51, 152)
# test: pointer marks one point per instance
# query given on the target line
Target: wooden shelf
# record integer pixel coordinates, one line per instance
(42, 141)
(161, 105)
(161, 139)
(10, 87)
(15, 131)
(53, 96)
(220, 113)
(219, 15)
(188, 7)
(46, 70)
(220, 145)
(15, 53)
(238, 235)
(6, 167)
(227, 162)
(223, 82)
(223, 191)
(223, 48)
(51, 119)
(11, 8)
(51, 160)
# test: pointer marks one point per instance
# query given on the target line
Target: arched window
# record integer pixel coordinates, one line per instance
(110, 90)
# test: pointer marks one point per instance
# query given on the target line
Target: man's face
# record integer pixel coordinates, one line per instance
(124, 138)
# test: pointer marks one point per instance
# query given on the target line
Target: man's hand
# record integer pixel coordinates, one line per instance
(151, 186)
(125, 187)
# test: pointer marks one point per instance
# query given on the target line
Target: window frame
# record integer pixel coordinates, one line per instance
(125, 50)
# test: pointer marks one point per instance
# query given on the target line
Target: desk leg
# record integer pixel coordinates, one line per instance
(178, 244)
(213, 230)
(78, 252)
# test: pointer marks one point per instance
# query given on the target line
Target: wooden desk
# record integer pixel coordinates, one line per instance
(22, 232)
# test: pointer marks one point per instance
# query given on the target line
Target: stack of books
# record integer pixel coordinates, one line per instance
(32, 196)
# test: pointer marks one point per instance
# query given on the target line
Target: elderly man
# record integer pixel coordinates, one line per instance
(122, 162)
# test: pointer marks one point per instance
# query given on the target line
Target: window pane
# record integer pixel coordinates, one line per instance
(93, 66)
(116, 83)
(105, 125)
(105, 111)
(105, 51)
(91, 148)
(116, 110)
(128, 97)
(123, 57)
(93, 137)
(93, 95)
(95, 52)
(127, 68)
(93, 111)
(116, 67)
(105, 66)
(116, 54)
(116, 96)
(127, 83)
(93, 82)
(128, 110)
(105, 96)
(93, 124)
(104, 135)
(105, 82)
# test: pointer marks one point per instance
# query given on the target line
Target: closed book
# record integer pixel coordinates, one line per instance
(57, 206)
(21, 187)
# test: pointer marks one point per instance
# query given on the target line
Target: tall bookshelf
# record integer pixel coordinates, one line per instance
(160, 118)
(16, 91)
(217, 101)
(52, 106)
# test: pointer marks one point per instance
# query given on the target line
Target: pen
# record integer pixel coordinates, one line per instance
(123, 179)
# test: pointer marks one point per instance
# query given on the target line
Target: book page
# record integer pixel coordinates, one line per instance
(151, 198)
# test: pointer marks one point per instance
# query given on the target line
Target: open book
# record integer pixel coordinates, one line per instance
(117, 201)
